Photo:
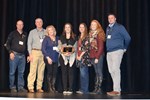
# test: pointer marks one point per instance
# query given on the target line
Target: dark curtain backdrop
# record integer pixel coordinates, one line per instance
(133, 14)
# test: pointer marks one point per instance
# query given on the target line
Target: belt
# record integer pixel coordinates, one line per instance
(16, 53)
(36, 49)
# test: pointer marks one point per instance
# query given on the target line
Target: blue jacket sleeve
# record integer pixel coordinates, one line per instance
(44, 44)
(126, 36)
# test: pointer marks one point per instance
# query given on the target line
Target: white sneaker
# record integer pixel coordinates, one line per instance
(79, 92)
(69, 92)
(65, 92)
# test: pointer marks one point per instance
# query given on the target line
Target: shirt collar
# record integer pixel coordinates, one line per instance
(39, 31)
(111, 25)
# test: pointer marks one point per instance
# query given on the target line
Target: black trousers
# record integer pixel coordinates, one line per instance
(51, 71)
(67, 75)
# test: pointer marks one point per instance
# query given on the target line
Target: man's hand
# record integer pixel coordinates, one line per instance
(30, 58)
(124, 50)
(12, 56)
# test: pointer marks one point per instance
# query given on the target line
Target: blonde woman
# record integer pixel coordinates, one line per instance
(50, 52)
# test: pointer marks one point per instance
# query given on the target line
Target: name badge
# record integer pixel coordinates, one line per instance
(109, 37)
(41, 40)
(79, 48)
(20, 42)
(55, 48)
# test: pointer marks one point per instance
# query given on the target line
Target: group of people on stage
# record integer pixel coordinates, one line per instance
(47, 51)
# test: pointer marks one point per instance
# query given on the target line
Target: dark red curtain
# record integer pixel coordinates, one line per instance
(133, 14)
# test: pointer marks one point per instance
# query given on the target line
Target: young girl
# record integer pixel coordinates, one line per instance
(67, 48)
(83, 58)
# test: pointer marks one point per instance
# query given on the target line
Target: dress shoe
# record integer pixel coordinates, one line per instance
(13, 90)
(114, 93)
(31, 91)
(22, 90)
(40, 91)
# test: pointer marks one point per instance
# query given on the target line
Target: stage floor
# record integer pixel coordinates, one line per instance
(73, 96)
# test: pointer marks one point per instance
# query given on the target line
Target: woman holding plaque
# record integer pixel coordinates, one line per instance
(67, 47)
(97, 38)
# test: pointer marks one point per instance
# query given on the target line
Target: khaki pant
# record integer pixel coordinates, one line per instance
(37, 67)
(114, 61)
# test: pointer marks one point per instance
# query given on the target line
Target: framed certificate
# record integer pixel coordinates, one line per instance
(67, 49)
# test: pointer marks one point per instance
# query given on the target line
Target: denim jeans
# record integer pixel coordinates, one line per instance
(84, 79)
(98, 67)
(18, 62)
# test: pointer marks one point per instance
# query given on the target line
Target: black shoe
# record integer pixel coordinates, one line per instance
(13, 90)
(22, 90)
(99, 91)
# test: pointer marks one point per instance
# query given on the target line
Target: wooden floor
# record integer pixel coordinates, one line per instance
(73, 96)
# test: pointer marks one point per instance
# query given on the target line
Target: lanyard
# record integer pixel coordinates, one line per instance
(41, 37)
(109, 30)
(41, 32)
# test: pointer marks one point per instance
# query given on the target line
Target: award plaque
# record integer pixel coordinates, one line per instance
(67, 49)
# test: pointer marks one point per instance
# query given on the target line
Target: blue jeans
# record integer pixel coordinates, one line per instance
(98, 67)
(84, 79)
(18, 62)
